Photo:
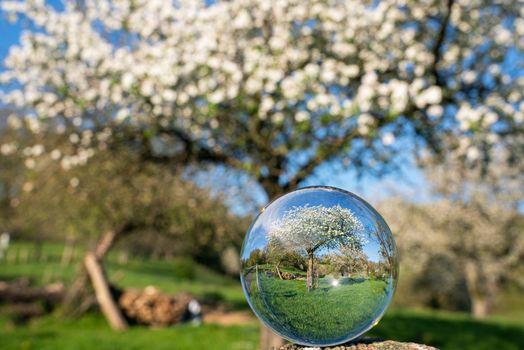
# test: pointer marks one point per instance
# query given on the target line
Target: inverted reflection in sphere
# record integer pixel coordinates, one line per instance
(319, 266)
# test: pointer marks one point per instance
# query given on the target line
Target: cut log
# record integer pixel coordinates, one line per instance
(103, 293)
(22, 292)
(366, 344)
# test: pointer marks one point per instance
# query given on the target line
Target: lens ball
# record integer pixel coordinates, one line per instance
(319, 266)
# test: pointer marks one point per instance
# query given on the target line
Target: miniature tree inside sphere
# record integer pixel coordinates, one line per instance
(319, 266)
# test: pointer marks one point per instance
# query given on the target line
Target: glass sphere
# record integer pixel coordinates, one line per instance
(319, 266)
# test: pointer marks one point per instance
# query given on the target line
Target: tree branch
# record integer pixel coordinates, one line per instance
(437, 47)
(331, 150)
(193, 151)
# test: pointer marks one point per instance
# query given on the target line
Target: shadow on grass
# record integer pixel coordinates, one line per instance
(447, 331)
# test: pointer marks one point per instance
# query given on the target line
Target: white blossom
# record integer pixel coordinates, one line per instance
(55, 154)
(7, 149)
(74, 182)
(301, 116)
(163, 63)
(30, 163)
(388, 138)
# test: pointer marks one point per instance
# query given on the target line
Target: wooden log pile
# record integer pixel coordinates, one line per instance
(153, 308)
(288, 276)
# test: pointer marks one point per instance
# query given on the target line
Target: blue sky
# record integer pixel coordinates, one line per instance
(9, 34)
(409, 183)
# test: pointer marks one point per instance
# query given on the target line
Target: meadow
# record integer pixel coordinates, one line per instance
(446, 330)
(327, 312)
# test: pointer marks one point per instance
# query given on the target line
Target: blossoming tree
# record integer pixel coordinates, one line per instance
(270, 88)
(348, 261)
(477, 225)
(309, 229)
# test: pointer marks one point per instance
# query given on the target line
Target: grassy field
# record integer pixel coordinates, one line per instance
(449, 330)
(446, 330)
(172, 276)
(326, 314)
(91, 332)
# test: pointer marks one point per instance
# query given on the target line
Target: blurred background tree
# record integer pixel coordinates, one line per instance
(116, 191)
(473, 228)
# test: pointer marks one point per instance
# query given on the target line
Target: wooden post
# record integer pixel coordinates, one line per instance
(10, 257)
(68, 252)
(37, 250)
(103, 293)
(24, 256)
(269, 340)
(46, 276)
(123, 257)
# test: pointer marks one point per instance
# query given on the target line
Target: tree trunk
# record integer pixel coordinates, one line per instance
(67, 253)
(277, 267)
(104, 244)
(97, 275)
(273, 188)
(480, 307)
(79, 295)
(103, 293)
(478, 291)
(310, 272)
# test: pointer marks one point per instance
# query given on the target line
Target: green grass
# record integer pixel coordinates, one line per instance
(205, 283)
(326, 314)
(446, 330)
(450, 330)
(91, 332)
